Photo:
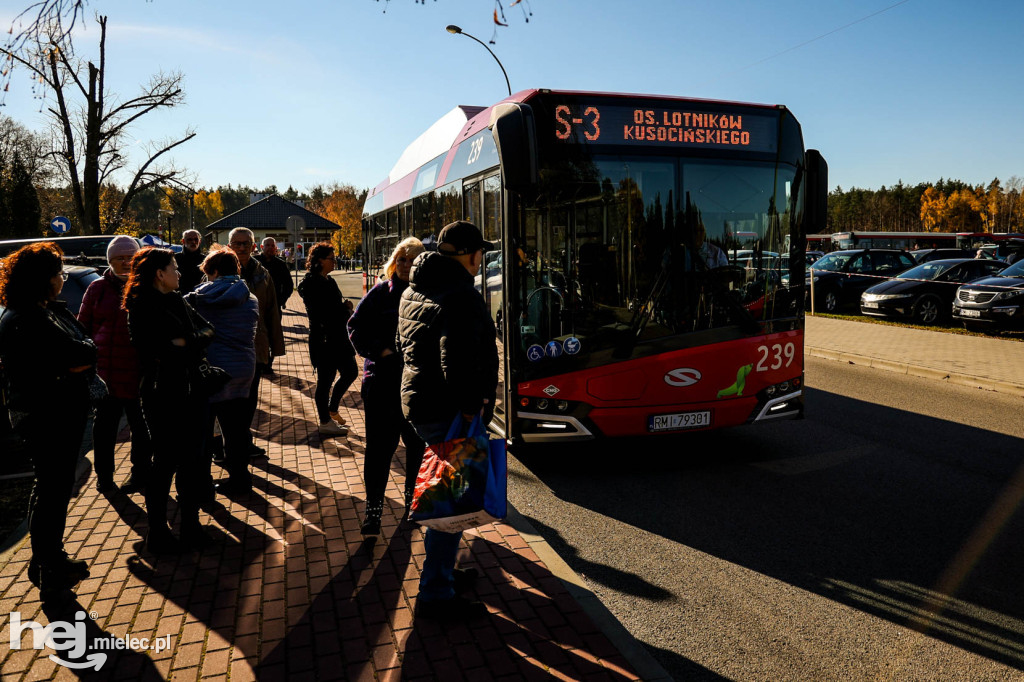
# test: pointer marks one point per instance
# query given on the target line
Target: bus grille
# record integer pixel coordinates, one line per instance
(972, 297)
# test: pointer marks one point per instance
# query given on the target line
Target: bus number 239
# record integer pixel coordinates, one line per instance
(776, 356)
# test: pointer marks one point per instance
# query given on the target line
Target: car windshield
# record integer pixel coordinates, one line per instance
(1015, 270)
(932, 270)
(833, 261)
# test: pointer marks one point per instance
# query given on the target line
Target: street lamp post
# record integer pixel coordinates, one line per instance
(455, 30)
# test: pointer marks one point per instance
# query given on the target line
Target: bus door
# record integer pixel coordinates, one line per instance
(490, 281)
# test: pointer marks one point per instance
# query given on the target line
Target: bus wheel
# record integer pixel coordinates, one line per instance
(927, 310)
(831, 302)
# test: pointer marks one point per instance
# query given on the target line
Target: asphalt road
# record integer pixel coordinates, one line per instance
(878, 538)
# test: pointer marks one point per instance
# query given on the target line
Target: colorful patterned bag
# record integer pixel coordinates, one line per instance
(463, 480)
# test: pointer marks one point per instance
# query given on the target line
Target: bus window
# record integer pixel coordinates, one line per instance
(491, 226)
(472, 204)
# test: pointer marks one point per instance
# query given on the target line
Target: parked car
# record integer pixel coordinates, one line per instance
(81, 250)
(813, 256)
(925, 293)
(840, 277)
(926, 255)
(992, 303)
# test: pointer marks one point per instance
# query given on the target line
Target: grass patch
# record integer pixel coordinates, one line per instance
(14, 494)
(1007, 335)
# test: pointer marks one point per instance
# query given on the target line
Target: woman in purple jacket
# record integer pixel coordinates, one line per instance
(118, 365)
(372, 330)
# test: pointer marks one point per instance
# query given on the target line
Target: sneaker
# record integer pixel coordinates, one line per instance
(332, 428)
(450, 610)
(336, 416)
(257, 451)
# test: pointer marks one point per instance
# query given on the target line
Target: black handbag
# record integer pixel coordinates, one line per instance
(209, 379)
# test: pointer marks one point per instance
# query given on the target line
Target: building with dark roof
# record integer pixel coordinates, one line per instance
(268, 217)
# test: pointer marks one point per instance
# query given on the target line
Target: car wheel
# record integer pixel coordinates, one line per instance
(926, 311)
(831, 300)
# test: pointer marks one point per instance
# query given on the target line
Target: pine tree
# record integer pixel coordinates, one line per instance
(23, 201)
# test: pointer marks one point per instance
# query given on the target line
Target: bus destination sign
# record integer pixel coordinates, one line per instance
(592, 124)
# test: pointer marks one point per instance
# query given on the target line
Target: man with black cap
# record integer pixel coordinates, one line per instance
(448, 342)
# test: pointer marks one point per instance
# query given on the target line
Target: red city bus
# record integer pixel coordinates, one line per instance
(616, 294)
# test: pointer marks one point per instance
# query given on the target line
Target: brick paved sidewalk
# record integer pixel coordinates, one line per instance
(291, 590)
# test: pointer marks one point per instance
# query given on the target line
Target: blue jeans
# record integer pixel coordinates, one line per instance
(436, 581)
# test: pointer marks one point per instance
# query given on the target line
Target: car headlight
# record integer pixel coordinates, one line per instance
(1003, 295)
(883, 297)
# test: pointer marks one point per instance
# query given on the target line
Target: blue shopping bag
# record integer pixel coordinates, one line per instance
(463, 481)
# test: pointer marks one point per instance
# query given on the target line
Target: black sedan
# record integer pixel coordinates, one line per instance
(993, 303)
(840, 277)
(925, 293)
(927, 255)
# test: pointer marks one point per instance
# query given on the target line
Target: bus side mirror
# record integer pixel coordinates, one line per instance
(515, 136)
(816, 192)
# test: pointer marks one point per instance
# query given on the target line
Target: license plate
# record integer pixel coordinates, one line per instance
(967, 312)
(869, 304)
(679, 421)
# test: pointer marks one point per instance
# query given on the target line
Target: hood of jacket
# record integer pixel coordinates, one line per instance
(432, 270)
(224, 292)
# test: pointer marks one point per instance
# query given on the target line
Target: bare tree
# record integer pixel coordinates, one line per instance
(88, 137)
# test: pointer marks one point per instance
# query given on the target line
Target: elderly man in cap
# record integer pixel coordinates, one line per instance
(448, 342)
(117, 363)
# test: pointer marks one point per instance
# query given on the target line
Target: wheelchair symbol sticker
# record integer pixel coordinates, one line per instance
(571, 345)
(553, 349)
(535, 353)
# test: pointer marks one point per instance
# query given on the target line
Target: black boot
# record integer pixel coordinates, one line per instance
(62, 571)
(371, 522)
(105, 484)
(159, 540)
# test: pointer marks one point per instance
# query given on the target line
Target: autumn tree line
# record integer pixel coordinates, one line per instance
(943, 206)
(32, 192)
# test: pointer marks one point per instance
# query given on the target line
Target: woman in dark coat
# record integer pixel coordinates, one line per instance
(329, 349)
(49, 362)
(118, 364)
(225, 301)
(372, 329)
(169, 337)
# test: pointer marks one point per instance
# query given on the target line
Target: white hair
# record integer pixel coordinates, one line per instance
(268, 239)
(232, 233)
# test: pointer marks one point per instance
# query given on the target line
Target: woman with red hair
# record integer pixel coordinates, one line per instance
(49, 362)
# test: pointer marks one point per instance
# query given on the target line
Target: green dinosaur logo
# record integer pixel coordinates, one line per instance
(741, 381)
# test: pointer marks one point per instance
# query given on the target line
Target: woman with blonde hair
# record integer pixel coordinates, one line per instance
(372, 329)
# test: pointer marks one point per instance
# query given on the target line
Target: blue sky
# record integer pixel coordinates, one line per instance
(313, 91)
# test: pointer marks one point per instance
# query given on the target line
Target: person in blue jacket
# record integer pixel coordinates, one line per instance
(224, 300)
(372, 330)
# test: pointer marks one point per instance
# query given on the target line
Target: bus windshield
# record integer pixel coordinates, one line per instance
(620, 251)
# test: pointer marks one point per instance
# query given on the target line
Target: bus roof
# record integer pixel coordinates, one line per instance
(465, 120)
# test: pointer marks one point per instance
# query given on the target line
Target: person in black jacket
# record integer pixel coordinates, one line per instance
(278, 270)
(170, 337)
(190, 261)
(372, 330)
(330, 351)
(49, 362)
(448, 343)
